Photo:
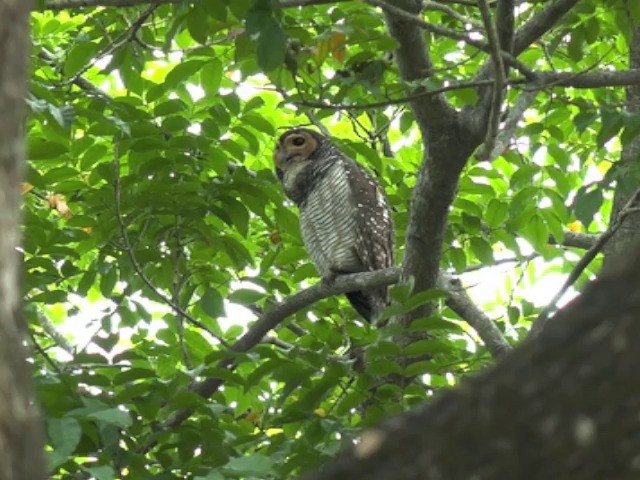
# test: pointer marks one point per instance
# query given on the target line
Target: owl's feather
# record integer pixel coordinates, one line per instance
(344, 216)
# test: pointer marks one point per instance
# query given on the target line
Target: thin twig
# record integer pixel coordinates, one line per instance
(629, 208)
(397, 101)
(126, 37)
(453, 34)
(134, 261)
(493, 122)
(452, 13)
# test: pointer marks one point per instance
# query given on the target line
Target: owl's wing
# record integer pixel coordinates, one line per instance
(375, 236)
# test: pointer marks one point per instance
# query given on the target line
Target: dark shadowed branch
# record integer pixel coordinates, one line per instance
(597, 247)
(560, 406)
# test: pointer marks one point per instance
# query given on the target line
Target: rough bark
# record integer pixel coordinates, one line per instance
(21, 452)
(561, 406)
(629, 232)
(448, 144)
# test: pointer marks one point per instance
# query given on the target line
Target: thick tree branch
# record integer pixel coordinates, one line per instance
(505, 21)
(560, 406)
(629, 233)
(414, 61)
(59, 5)
(590, 79)
(439, 124)
(541, 24)
(577, 240)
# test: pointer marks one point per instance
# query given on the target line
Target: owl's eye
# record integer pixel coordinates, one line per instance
(298, 141)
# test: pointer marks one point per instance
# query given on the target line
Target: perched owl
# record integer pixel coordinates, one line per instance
(345, 219)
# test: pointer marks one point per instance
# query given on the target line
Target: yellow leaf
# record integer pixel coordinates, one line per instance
(321, 412)
(338, 42)
(575, 226)
(272, 432)
(26, 187)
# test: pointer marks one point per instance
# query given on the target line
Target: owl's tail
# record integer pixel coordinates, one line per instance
(369, 303)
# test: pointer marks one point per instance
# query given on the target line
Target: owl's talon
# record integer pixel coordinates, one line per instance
(330, 278)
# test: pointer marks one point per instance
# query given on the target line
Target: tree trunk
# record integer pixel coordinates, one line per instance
(628, 174)
(21, 452)
(562, 406)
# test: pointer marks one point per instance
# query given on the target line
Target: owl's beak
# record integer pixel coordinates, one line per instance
(281, 157)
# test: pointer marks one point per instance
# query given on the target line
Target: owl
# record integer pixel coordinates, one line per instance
(345, 219)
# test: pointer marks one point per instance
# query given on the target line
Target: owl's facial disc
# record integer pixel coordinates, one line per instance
(294, 146)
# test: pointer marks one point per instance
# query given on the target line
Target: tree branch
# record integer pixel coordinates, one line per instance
(392, 101)
(577, 240)
(497, 92)
(560, 406)
(503, 138)
(59, 5)
(505, 21)
(460, 302)
(584, 262)
(541, 24)
(590, 79)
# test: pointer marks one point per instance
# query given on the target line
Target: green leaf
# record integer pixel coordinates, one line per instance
(65, 434)
(211, 76)
(612, 123)
(211, 303)
(101, 472)
(383, 367)
(170, 106)
(245, 296)
(78, 57)
(536, 232)
(426, 347)
(112, 416)
(587, 204)
(182, 72)
(40, 149)
(496, 213)
(257, 465)
(271, 46)
(108, 281)
(482, 250)
(197, 24)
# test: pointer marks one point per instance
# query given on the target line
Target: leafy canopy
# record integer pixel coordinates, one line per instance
(150, 138)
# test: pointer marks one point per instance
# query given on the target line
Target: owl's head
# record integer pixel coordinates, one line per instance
(295, 146)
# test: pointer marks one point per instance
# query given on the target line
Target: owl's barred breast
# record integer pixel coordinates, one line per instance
(328, 223)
